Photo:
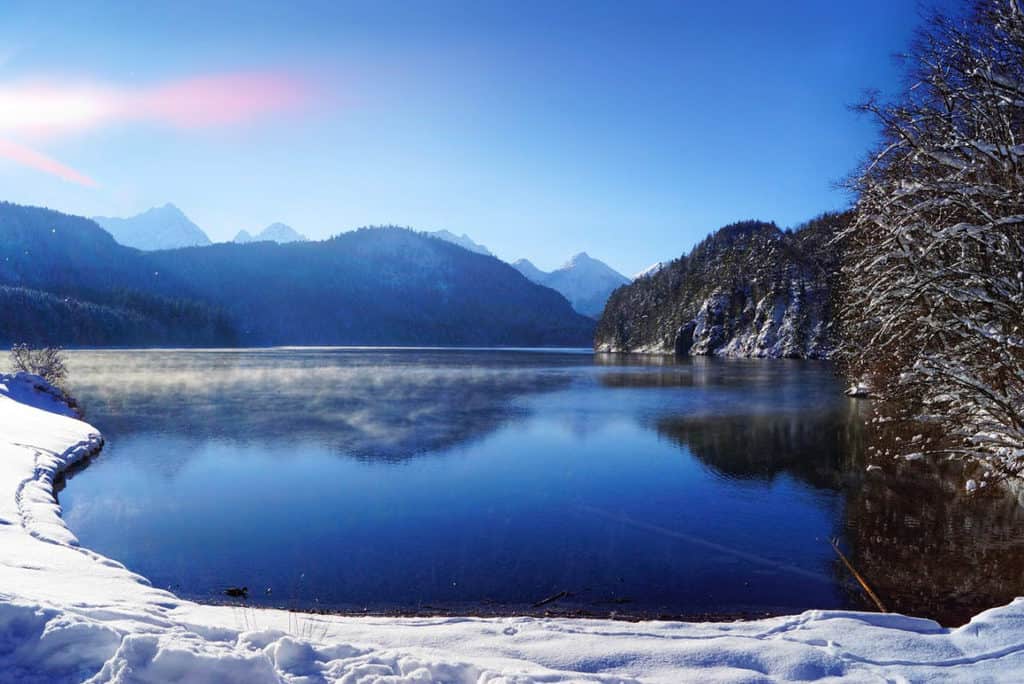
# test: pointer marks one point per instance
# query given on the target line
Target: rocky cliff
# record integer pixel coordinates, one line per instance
(748, 290)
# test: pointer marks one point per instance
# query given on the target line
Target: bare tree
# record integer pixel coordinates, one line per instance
(47, 362)
(933, 299)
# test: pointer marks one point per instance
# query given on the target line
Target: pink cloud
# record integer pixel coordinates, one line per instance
(218, 100)
(40, 162)
(203, 101)
(48, 109)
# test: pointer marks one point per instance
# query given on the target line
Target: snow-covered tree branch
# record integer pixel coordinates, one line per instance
(933, 299)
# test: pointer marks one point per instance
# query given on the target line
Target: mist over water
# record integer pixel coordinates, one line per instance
(484, 481)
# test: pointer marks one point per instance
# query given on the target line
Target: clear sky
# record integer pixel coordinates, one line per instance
(628, 130)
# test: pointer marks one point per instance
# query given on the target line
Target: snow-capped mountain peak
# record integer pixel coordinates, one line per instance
(165, 227)
(529, 271)
(275, 232)
(279, 232)
(463, 241)
(585, 281)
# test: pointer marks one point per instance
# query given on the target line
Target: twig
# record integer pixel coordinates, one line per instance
(857, 576)
(551, 599)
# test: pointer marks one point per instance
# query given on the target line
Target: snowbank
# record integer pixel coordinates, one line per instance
(70, 615)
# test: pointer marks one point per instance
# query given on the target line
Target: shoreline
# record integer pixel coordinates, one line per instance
(68, 614)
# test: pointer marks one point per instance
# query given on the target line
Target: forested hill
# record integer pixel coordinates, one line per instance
(749, 289)
(64, 280)
(376, 286)
(372, 286)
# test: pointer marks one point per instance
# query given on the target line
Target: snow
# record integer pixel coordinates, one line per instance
(463, 241)
(275, 232)
(650, 270)
(165, 227)
(860, 390)
(583, 280)
(68, 614)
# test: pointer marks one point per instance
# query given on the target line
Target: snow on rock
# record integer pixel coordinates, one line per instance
(778, 325)
(747, 290)
(859, 390)
(70, 615)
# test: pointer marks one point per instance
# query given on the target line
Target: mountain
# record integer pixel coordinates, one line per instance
(382, 285)
(371, 286)
(64, 280)
(586, 282)
(650, 270)
(275, 232)
(163, 227)
(531, 272)
(463, 241)
(748, 290)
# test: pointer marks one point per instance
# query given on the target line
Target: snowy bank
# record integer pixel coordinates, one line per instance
(70, 615)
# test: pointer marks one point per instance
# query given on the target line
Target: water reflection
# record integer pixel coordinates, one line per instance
(930, 549)
(925, 546)
(638, 485)
(394, 408)
(821, 447)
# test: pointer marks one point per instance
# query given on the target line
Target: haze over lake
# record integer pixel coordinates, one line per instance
(442, 480)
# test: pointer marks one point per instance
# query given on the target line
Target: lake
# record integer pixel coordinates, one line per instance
(423, 481)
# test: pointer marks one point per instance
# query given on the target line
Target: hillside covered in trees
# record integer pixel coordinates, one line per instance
(749, 289)
(71, 283)
(64, 280)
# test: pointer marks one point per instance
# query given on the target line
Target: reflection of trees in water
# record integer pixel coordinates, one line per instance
(929, 549)
(819, 447)
(925, 546)
(391, 408)
(747, 386)
(640, 380)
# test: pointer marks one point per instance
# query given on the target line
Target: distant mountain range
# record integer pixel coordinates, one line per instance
(69, 282)
(463, 241)
(586, 282)
(164, 227)
(275, 232)
(749, 289)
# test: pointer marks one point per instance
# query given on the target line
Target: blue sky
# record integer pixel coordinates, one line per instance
(628, 130)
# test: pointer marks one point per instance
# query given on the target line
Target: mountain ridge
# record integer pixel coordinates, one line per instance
(375, 285)
(463, 241)
(275, 232)
(747, 290)
(164, 227)
(585, 281)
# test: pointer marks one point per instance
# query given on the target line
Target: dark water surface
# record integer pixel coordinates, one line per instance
(424, 481)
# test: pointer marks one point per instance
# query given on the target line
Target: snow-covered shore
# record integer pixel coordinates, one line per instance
(70, 615)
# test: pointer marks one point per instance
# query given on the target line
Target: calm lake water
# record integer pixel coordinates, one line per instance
(427, 481)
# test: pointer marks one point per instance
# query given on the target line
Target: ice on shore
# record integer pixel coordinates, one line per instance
(70, 615)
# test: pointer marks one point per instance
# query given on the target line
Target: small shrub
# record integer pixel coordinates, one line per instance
(48, 363)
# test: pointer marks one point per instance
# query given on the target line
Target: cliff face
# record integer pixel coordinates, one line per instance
(747, 290)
